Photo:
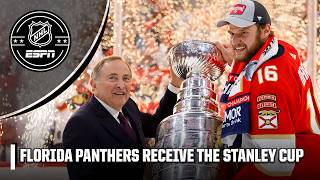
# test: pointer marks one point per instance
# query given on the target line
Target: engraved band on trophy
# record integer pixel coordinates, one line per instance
(195, 120)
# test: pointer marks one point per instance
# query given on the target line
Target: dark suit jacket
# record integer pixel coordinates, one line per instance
(92, 126)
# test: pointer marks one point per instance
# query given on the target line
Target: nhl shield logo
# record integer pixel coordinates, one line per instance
(40, 41)
(40, 33)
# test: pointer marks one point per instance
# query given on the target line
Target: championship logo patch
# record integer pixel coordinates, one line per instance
(265, 97)
(268, 119)
(238, 9)
(40, 41)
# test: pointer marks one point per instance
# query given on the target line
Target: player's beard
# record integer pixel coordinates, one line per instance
(253, 50)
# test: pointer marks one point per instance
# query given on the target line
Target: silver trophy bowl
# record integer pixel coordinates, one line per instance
(195, 56)
(195, 121)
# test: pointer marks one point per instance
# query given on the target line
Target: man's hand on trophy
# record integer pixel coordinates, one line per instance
(226, 52)
(175, 80)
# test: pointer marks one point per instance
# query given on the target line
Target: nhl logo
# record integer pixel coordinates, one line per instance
(40, 41)
(40, 33)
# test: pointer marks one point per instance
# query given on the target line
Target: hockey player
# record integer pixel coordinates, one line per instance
(269, 98)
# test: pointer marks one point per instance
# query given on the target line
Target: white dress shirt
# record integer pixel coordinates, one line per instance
(173, 89)
(112, 111)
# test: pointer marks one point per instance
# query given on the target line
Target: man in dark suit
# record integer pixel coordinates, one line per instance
(112, 120)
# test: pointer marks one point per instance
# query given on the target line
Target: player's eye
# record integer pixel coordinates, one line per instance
(113, 78)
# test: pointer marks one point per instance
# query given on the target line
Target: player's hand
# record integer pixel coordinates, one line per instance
(226, 52)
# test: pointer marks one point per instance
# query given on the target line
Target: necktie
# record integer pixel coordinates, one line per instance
(126, 127)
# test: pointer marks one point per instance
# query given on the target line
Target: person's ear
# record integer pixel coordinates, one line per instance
(93, 84)
(266, 31)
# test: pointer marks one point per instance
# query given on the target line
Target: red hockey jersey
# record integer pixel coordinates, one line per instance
(284, 113)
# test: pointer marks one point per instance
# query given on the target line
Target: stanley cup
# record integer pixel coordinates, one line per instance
(195, 120)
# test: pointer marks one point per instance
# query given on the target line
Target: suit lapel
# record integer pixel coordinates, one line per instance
(109, 122)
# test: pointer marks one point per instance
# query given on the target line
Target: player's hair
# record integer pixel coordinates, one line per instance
(262, 26)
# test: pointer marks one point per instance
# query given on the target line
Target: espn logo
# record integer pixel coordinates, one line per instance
(40, 53)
